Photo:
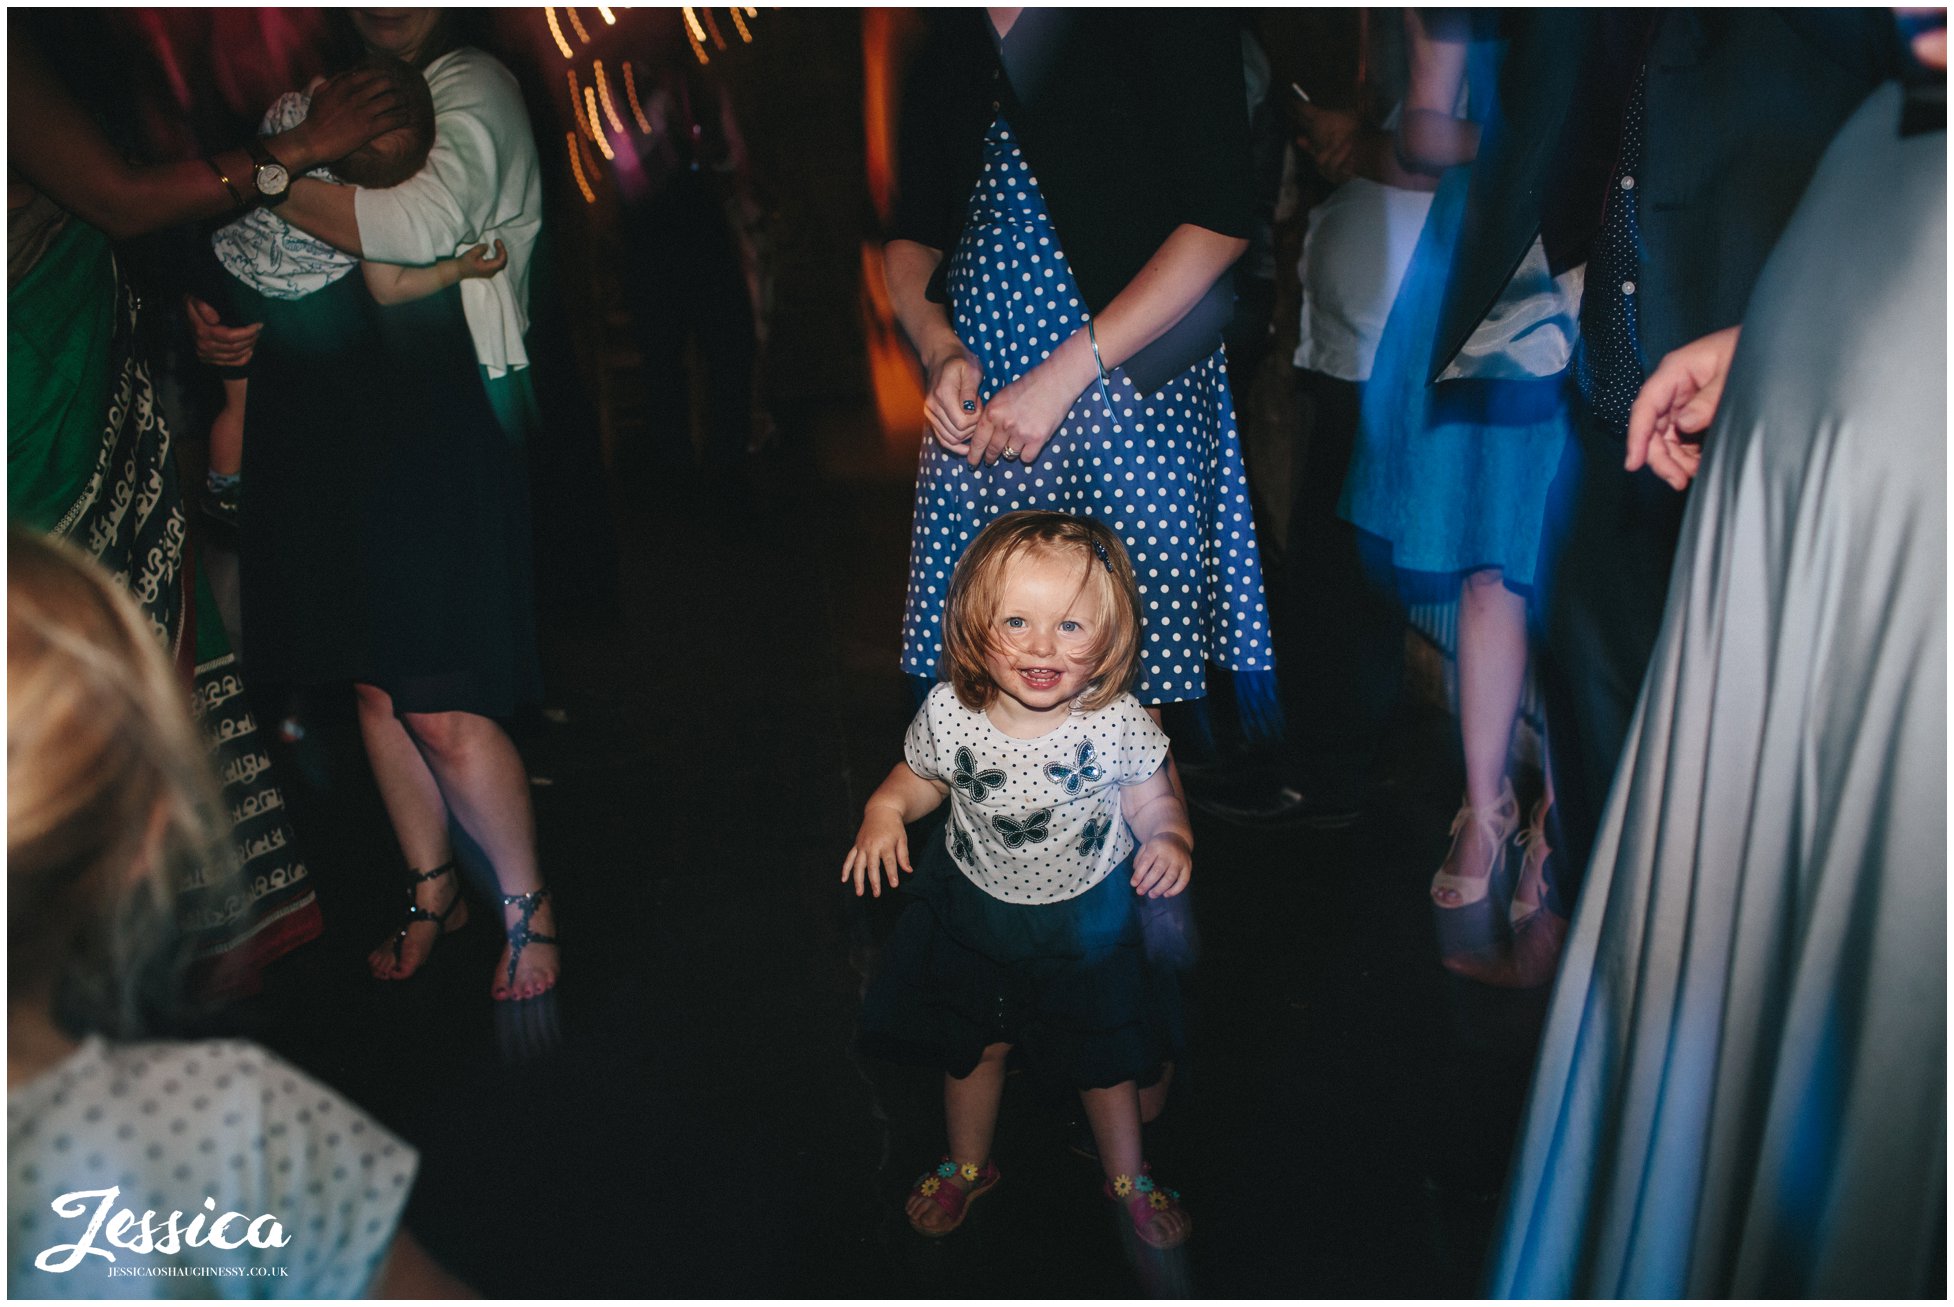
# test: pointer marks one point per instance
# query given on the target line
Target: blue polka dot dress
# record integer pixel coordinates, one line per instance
(1163, 471)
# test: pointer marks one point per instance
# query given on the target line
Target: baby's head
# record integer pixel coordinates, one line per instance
(1075, 561)
(109, 797)
(392, 157)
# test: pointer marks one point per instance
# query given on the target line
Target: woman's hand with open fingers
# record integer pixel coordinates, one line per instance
(1676, 405)
(219, 345)
(952, 401)
(881, 848)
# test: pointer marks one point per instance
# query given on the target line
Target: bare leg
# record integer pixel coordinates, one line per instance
(1153, 1099)
(970, 1111)
(420, 823)
(481, 777)
(1492, 671)
(227, 429)
(1115, 1117)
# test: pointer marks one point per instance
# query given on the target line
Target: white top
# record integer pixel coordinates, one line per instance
(1359, 243)
(1035, 821)
(482, 182)
(172, 1124)
(265, 252)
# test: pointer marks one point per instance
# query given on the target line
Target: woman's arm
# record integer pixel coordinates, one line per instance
(1165, 859)
(54, 144)
(951, 373)
(392, 283)
(1022, 417)
(882, 845)
(1430, 138)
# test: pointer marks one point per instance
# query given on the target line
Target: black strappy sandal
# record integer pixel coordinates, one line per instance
(520, 935)
(415, 912)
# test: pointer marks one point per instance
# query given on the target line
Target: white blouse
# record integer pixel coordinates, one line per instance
(482, 183)
(1035, 821)
(204, 1129)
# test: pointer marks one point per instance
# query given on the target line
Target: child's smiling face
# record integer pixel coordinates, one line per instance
(1044, 639)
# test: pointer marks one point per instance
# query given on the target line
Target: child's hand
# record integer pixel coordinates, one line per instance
(478, 262)
(1162, 866)
(881, 846)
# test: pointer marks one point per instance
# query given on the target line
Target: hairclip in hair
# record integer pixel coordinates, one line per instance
(1105, 561)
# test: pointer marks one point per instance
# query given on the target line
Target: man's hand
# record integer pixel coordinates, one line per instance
(1676, 405)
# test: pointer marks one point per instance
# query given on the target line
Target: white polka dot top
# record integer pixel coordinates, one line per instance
(1035, 821)
(171, 1125)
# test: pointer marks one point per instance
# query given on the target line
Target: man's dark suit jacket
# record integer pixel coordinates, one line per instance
(1740, 105)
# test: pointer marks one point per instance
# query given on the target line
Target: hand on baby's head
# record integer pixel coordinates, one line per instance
(393, 156)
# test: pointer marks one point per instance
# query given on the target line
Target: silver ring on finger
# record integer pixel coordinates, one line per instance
(1011, 455)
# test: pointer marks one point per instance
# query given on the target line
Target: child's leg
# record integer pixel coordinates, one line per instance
(1115, 1117)
(970, 1109)
(227, 431)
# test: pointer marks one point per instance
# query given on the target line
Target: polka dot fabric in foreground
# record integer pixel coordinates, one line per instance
(171, 1124)
(1163, 471)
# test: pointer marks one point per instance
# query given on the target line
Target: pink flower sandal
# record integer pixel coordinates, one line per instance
(937, 1185)
(1146, 1200)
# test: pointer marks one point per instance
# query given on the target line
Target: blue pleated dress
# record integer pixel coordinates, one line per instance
(1163, 471)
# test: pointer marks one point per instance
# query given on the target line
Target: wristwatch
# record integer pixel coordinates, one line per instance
(273, 182)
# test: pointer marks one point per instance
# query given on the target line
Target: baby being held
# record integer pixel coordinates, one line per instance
(267, 258)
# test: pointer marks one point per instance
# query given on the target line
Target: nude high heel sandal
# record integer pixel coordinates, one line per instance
(1497, 823)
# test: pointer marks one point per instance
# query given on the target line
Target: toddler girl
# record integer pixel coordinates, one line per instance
(1027, 927)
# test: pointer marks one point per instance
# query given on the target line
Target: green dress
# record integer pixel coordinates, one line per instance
(89, 460)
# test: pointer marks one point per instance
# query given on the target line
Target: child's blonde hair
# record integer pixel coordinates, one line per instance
(970, 614)
(108, 792)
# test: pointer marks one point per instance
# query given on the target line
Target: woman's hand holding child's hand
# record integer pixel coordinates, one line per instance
(1162, 866)
(881, 846)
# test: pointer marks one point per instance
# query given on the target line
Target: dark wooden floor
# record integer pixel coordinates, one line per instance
(699, 1126)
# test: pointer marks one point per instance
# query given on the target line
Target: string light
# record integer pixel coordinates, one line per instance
(590, 162)
(557, 31)
(590, 102)
(698, 48)
(692, 24)
(576, 168)
(577, 23)
(576, 102)
(739, 25)
(718, 41)
(604, 94)
(610, 19)
(631, 94)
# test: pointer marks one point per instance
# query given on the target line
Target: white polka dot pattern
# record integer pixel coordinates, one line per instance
(1035, 821)
(1163, 471)
(173, 1124)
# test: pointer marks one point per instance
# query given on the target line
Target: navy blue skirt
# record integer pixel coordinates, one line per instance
(1070, 983)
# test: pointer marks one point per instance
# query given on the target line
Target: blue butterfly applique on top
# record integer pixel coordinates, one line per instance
(959, 844)
(1093, 837)
(1032, 830)
(972, 782)
(1077, 778)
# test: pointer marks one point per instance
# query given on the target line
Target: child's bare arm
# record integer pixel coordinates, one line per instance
(881, 846)
(1165, 860)
(391, 283)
